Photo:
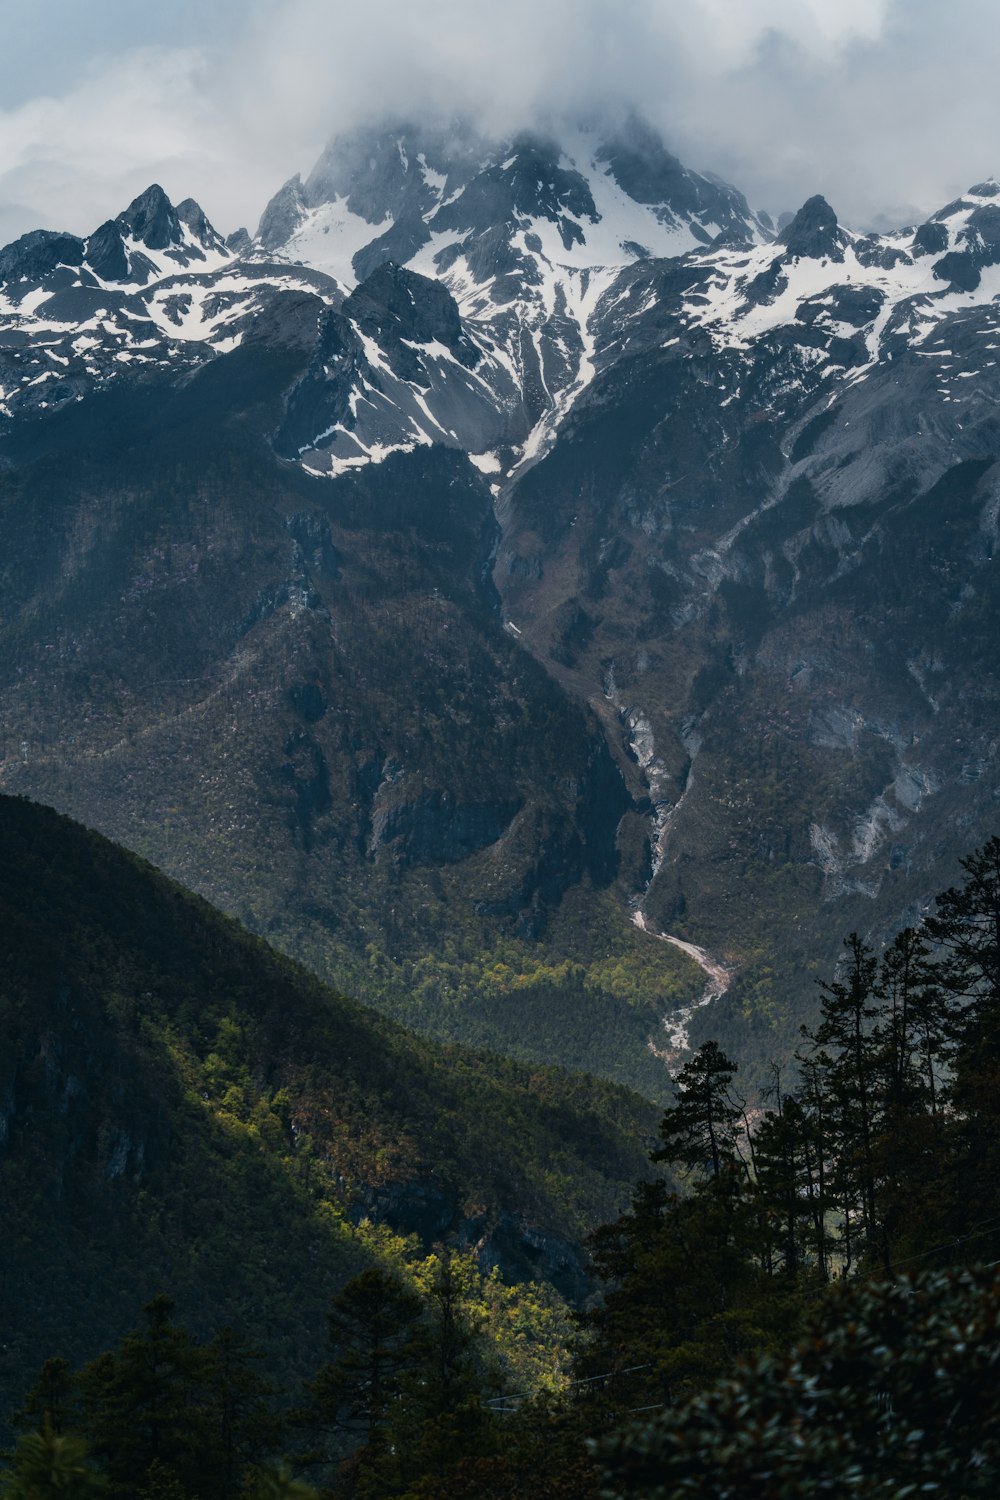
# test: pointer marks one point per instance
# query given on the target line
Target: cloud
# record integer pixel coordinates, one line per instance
(75, 160)
(885, 106)
(332, 64)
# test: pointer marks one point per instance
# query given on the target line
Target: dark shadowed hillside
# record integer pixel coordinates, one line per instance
(180, 1107)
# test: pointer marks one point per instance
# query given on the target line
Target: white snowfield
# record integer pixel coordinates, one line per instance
(329, 238)
(546, 298)
(565, 294)
(559, 286)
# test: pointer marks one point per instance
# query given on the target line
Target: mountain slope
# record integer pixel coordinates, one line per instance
(302, 702)
(767, 533)
(171, 1089)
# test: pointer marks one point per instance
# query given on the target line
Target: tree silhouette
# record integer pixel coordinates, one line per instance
(701, 1128)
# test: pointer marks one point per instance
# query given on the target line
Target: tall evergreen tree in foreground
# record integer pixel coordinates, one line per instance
(372, 1328)
(884, 1157)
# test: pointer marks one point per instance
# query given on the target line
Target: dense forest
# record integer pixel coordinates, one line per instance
(805, 1303)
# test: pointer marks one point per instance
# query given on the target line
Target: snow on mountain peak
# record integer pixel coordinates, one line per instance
(391, 192)
(525, 234)
(468, 291)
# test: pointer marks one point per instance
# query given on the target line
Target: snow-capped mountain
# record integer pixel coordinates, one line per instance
(525, 235)
(425, 240)
(566, 400)
(472, 289)
(435, 198)
(156, 289)
(468, 291)
(847, 302)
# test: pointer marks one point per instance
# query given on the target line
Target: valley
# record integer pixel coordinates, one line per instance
(507, 528)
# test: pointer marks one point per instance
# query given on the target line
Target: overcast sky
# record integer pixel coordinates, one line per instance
(887, 107)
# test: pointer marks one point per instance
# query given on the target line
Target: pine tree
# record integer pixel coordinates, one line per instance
(241, 1425)
(916, 1026)
(845, 1048)
(372, 1325)
(966, 929)
(143, 1405)
(54, 1398)
(167, 1415)
(700, 1131)
(441, 1418)
(47, 1465)
(785, 1187)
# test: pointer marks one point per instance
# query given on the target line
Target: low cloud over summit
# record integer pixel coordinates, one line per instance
(784, 97)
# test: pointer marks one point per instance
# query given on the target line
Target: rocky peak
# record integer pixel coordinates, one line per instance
(530, 182)
(640, 163)
(152, 219)
(643, 167)
(930, 238)
(814, 232)
(37, 254)
(106, 252)
(193, 216)
(396, 168)
(977, 245)
(968, 230)
(239, 242)
(395, 305)
(283, 215)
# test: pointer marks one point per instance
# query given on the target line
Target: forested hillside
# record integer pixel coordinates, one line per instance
(807, 1306)
(182, 1109)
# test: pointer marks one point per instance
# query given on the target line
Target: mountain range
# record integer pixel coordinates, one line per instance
(514, 553)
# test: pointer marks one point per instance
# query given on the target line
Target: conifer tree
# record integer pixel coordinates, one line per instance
(700, 1130)
(54, 1398)
(169, 1416)
(241, 1425)
(372, 1326)
(47, 1465)
(441, 1418)
(143, 1405)
(916, 1025)
(845, 1047)
(966, 929)
(784, 1185)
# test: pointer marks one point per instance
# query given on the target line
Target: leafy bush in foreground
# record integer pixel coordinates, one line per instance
(894, 1392)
